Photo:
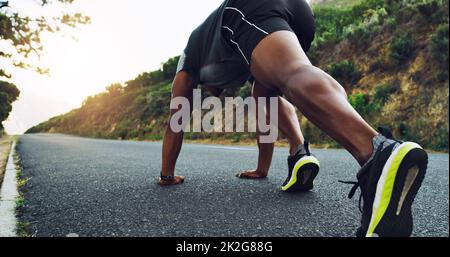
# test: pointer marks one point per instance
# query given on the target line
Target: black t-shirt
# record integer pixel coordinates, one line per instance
(210, 59)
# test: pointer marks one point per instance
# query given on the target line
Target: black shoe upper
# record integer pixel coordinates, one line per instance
(368, 178)
(303, 151)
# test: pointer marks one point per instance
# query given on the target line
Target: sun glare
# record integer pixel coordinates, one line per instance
(121, 42)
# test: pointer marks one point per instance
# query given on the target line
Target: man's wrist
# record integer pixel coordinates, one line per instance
(167, 177)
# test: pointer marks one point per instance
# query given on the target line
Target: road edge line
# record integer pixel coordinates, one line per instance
(8, 196)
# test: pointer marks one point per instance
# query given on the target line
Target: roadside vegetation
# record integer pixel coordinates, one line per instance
(5, 150)
(5, 146)
(22, 227)
(391, 56)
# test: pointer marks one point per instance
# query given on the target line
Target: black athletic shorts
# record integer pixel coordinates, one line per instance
(246, 22)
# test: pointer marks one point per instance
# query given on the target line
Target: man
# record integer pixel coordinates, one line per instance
(266, 41)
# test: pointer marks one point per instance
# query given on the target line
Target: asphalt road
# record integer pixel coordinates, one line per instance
(107, 188)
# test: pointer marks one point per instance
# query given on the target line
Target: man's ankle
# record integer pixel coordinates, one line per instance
(294, 148)
(166, 174)
(367, 156)
(364, 158)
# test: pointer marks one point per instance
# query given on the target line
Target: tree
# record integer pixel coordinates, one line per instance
(169, 68)
(9, 89)
(114, 90)
(23, 33)
(8, 94)
(20, 36)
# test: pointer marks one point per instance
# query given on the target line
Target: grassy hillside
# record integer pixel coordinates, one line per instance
(390, 55)
(335, 3)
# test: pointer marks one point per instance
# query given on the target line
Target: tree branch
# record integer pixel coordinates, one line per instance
(4, 4)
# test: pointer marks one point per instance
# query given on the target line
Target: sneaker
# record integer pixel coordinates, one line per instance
(303, 169)
(389, 183)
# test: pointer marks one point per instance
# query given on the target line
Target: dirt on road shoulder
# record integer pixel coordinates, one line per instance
(5, 146)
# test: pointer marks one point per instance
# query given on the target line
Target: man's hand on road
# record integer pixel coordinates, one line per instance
(251, 174)
(175, 181)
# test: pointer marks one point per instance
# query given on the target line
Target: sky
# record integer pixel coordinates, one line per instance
(124, 39)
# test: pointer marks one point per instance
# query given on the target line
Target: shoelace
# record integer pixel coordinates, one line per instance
(386, 132)
(355, 187)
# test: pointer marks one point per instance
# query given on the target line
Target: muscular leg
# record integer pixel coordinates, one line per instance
(289, 125)
(287, 117)
(279, 61)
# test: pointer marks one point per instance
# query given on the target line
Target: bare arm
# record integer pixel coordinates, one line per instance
(265, 150)
(288, 125)
(183, 85)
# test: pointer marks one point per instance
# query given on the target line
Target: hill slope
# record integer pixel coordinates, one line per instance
(390, 55)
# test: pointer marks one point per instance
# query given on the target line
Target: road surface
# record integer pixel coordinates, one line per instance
(106, 188)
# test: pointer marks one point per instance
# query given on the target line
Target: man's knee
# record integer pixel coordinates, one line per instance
(287, 107)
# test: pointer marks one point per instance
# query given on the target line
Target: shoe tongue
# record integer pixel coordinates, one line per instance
(302, 149)
(385, 131)
(378, 144)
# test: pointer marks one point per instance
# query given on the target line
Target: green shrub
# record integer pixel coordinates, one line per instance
(123, 130)
(418, 130)
(359, 34)
(359, 101)
(378, 63)
(438, 47)
(406, 132)
(154, 137)
(329, 24)
(407, 10)
(158, 100)
(383, 92)
(402, 47)
(361, 9)
(428, 8)
(441, 14)
(363, 103)
(357, 23)
(169, 68)
(391, 23)
(345, 72)
(372, 16)
(245, 91)
(236, 137)
(440, 139)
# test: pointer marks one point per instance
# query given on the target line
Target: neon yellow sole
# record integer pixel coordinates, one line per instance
(386, 184)
(300, 163)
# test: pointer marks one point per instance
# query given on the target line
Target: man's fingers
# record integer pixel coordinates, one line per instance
(250, 175)
(175, 181)
(241, 174)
